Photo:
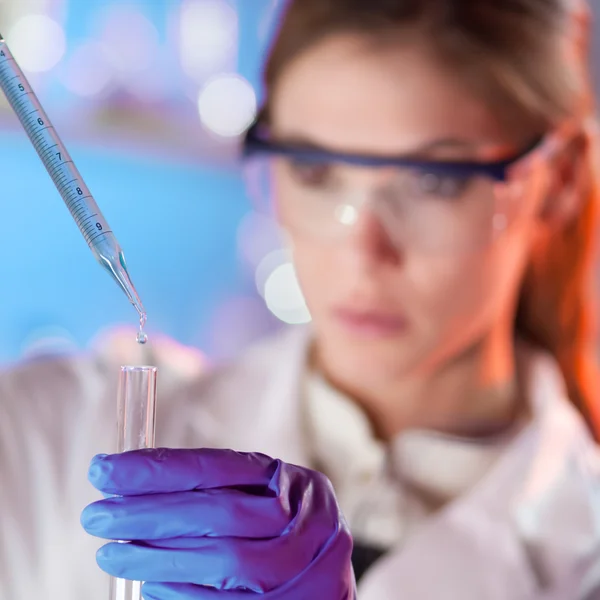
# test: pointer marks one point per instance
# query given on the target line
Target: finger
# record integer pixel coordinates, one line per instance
(325, 577)
(222, 563)
(164, 470)
(186, 591)
(207, 513)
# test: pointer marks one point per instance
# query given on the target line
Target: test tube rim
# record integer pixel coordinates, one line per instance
(138, 369)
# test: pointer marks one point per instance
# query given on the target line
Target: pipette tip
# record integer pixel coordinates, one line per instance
(118, 269)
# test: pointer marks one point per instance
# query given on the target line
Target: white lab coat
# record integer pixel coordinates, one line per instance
(530, 530)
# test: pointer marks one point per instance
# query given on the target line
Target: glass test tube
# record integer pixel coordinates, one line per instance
(136, 406)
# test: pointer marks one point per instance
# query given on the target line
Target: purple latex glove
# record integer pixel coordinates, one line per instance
(218, 524)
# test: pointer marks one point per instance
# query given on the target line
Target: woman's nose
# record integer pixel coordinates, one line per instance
(370, 243)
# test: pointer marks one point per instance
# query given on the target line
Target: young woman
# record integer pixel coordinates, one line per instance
(432, 165)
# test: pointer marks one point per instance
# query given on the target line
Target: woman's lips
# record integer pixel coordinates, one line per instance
(370, 324)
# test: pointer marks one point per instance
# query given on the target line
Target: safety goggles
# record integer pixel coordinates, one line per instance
(433, 206)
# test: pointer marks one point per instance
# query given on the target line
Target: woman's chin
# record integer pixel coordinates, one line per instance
(375, 360)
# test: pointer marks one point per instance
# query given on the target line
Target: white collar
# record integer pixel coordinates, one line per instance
(345, 447)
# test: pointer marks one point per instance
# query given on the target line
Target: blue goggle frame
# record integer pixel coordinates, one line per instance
(257, 142)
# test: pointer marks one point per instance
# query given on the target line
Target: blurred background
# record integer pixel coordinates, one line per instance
(151, 97)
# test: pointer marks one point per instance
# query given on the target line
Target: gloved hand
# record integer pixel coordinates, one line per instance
(218, 524)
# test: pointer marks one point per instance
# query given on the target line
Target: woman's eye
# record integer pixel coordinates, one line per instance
(442, 186)
(310, 174)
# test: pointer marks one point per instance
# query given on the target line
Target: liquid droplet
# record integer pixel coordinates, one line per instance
(141, 337)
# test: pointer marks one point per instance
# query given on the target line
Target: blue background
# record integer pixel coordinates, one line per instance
(177, 220)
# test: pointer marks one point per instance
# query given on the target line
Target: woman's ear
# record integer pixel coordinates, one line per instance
(567, 179)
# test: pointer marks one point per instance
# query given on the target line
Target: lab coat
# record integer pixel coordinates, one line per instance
(529, 530)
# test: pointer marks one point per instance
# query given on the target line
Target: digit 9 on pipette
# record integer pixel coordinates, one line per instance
(67, 179)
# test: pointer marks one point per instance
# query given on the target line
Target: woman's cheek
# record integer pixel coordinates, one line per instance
(451, 295)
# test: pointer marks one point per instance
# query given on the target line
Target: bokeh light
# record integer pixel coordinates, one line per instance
(130, 40)
(88, 72)
(227, 105)
(208, 37)
(38, 42)
(269, 263)
(281, 289)
(284, 297)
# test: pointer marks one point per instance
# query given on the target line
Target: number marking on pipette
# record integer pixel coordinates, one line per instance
(54, 155)
(64, 173)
